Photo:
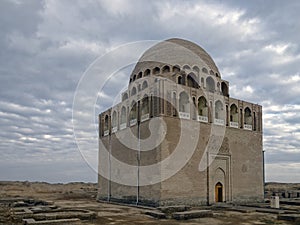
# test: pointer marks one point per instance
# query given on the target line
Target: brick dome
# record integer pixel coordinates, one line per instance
(177, 52)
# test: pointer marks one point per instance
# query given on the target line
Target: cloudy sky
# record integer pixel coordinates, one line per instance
(46, 46)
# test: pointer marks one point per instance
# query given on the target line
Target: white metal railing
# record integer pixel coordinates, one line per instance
(133, 122)
(247, 127)
(106, 132)
(219, 122)
(123, 126)
(145, 117)
(234, 124)
(203, 119)
(184, 115)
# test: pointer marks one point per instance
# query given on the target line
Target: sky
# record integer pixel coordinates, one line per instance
(47, 46)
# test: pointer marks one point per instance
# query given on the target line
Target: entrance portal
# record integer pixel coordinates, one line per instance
(219, 192)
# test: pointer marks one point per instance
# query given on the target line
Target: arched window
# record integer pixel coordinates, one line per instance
(166, 69)
(114, 119)
(219, 111)
(174, 104)
(134, 77)
(247, 116)
(124, 97)
(130, 80)
(224, 89)
(186, 67)
(156, 70)
(140, 75)
(241, 118)
(145, 85)
(192, 80)
(133, 91)
(226, 116)
(210, 84)
(133, 111)
(217, 75)
(176, 69)
(184, 105)
(106, 123)
(179, 80)
(211, 72)
(196, 69)
(145, 106)
(202, 107)
(204, 70)
(123, 115)
(218, 86)
(147, 72)
(194, 109)
(202, 81)
(234, 114)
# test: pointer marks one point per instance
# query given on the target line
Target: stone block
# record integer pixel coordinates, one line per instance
(289, 217)
(156, 214)
(192, 214)
(175, 208)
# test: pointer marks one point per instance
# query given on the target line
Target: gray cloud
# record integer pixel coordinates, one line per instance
(47, 45)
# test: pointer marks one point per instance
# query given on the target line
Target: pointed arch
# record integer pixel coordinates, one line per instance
(186, 67)
(114, 119)
(202, 82)
(184, 104)
(133, 91)
(219, 181)
(156, 70)
(176, 69)
(140, 75)
(248, 116)
(202, 106)
(196, 69)
(181, 79)
(174, 103)
(224, 89)
(133, 113)
(204, 70)
(145, 109)
(147, 72)
(219, 112)
(202, 109)
(166, 69)
(234, 114)
(106, 123)
(124, 97)
(210, 84)
(145, 85)
(192, 81)
(123, 119)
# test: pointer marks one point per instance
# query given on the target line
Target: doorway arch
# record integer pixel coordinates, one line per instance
(219, 192)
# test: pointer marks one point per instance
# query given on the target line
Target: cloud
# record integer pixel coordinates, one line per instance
(46, 46)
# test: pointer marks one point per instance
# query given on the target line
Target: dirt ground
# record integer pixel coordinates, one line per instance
(83, 196)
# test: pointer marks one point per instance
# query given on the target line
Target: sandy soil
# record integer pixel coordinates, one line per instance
(83, 196)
